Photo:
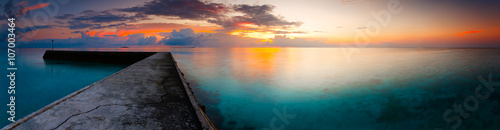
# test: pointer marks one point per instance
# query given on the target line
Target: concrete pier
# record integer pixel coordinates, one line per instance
(149, 94)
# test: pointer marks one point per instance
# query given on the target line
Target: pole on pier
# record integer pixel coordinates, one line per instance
(52, 45)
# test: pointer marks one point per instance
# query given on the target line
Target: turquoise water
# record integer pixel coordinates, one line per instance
(305, 88)
(39, 82)
(318, 88)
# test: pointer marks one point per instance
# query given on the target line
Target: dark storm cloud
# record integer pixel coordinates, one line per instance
(77, 32)
(97, 20)
(12, 10)
(22, 31)
(261, 15)
(8, 8)
(103, 18)
(80, 25)
(216, 13)
(25, 30)
(184, 9)
(109, 26)
(36, 27)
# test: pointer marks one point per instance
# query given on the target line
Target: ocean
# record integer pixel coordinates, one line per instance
(40, 82)
(304, 88)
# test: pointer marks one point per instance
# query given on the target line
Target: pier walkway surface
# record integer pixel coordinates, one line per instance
(149, 94)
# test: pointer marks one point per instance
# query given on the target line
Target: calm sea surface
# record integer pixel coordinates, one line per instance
(40, 82)
(304, 88)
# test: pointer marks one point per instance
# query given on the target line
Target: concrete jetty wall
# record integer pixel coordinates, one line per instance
(97, 56)
(149, 94)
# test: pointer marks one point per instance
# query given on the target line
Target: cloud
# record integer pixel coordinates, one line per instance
(227, 40)
(140, 39)
(34, 28)
(184, 9)
(23, 31)
(10, 9)
(110, 35)
(164, 34)
(361, 28)
(160, 29)
(462, 34)
(108, 26)
(85, 41)
(259, 15)
(183, 37)
(98, 20)
(65, 16)
(94, 39)
(80, 25)
(217, 13)
(255, 19)
(38, 6)
(290, 32)
(283, 41)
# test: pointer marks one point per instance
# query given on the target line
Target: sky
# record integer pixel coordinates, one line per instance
(254, 23)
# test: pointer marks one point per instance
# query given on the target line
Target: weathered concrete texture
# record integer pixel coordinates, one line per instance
(147, 95)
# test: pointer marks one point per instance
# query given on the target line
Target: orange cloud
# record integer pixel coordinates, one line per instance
(22, 3)
(247, 25)
(104, 33)
(42, 5)
(91, 33)
(153, 29)
(462, 34)
(100, 33)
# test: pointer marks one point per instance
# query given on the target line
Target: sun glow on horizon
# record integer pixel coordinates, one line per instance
(257, 34)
